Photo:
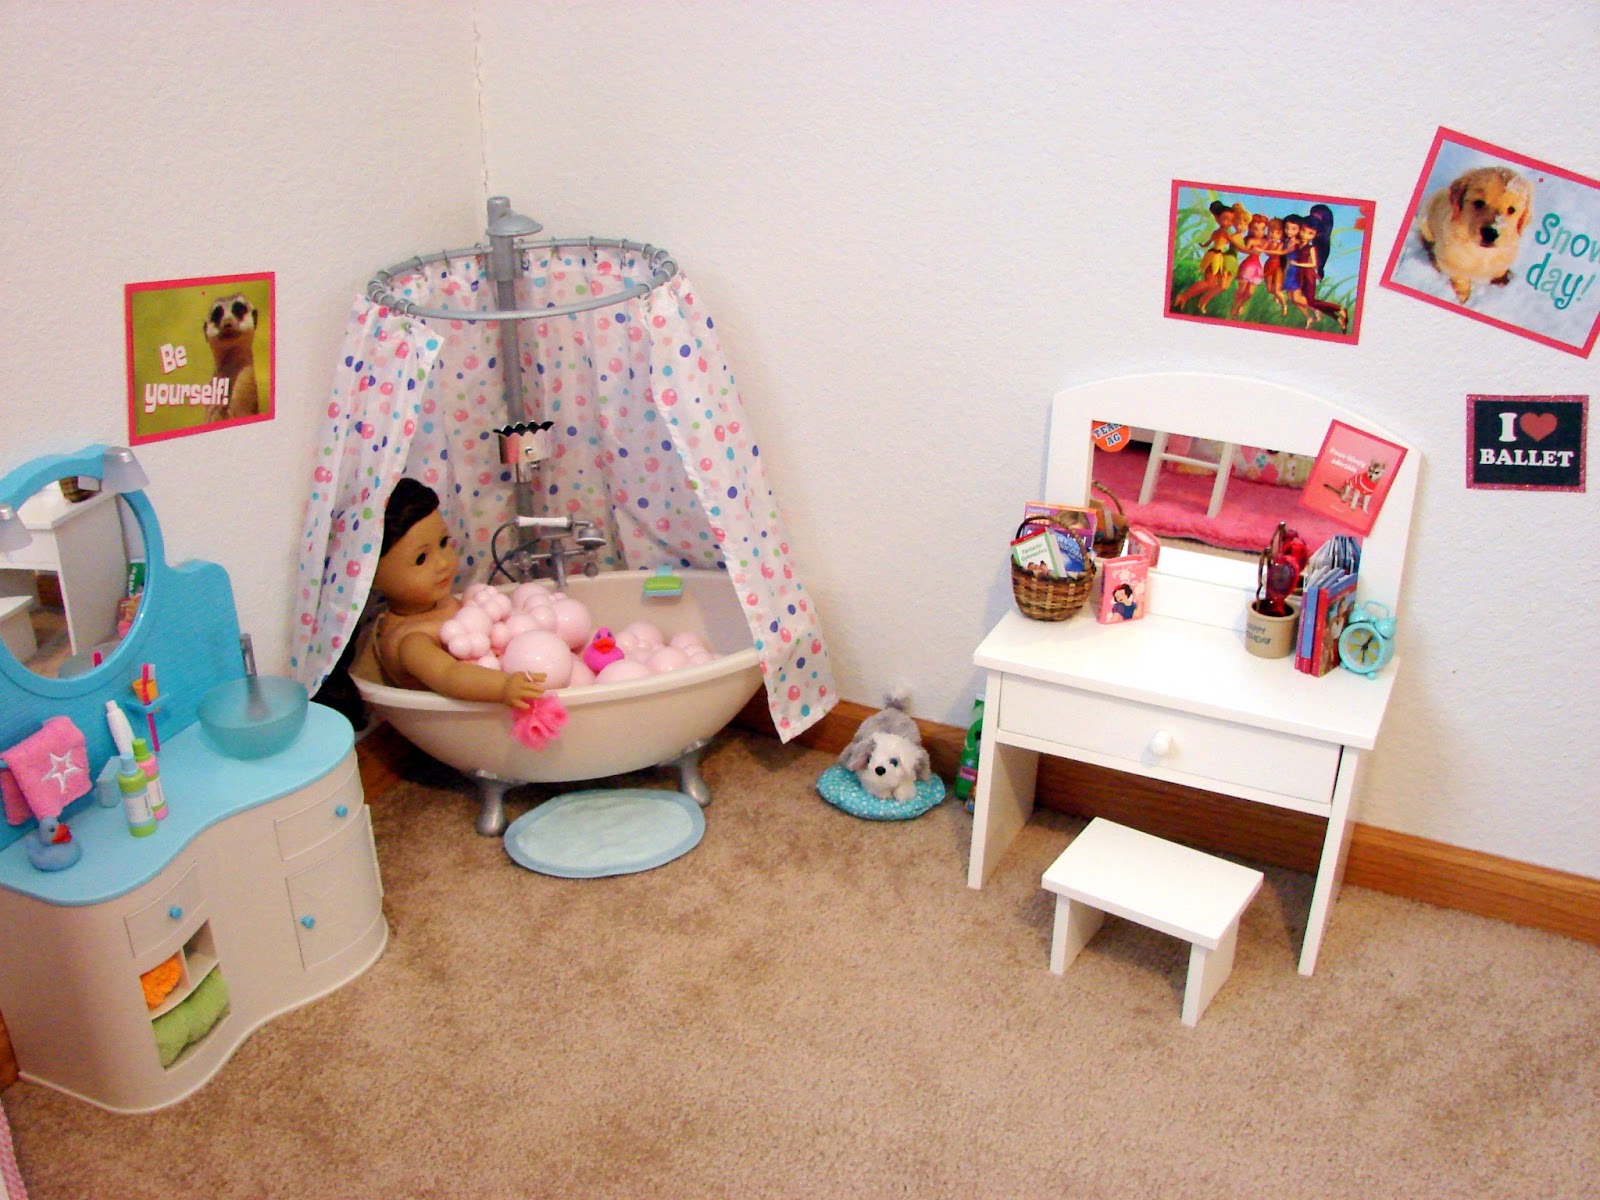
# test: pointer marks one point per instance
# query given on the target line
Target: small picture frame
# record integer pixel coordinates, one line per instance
(1504, 239)
(1352, 476)
(1527, 443)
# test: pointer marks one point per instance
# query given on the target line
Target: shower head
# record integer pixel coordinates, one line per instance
(503, 222)
(505, 227)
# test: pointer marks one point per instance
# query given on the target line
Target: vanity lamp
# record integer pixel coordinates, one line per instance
(14, 534)
(120, 471)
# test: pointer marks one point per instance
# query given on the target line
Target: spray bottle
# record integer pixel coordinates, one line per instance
(135, 798)
(152, 777)
(967, 772)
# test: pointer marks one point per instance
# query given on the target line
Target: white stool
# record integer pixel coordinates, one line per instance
(1222, 468)
(1110, 868)
(16, 627)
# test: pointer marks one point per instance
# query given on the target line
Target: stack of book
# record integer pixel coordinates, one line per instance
(1054, 540)
(1328, 595)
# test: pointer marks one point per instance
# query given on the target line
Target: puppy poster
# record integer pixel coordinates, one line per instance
(1352, 476)
(1504, 239)
(199, 354)
(1285, 262)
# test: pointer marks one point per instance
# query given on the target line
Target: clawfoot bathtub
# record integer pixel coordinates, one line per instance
(664, 720)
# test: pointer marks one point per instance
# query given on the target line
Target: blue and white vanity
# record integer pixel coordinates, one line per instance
(260, 890)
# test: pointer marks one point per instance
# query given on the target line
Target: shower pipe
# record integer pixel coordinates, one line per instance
(509, 233)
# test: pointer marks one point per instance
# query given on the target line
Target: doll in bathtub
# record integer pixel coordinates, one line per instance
(416, 567)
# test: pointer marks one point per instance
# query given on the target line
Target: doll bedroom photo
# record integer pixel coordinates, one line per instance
(610, 602)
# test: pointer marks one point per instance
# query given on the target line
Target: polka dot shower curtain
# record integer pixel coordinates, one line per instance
(651, 444)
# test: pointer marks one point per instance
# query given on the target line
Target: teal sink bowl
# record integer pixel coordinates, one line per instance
(254, 716)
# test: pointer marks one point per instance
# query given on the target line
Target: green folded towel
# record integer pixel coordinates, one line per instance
(192, 1019)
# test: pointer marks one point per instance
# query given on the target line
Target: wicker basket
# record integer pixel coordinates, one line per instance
(71, 490)
(1051, 597)
(1109, 540)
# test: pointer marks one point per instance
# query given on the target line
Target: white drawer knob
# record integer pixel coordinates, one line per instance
(1160, 743)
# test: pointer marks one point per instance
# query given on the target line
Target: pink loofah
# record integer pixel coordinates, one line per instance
(537, 725)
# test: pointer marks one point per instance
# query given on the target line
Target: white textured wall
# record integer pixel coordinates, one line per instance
(142, 142)
(915, 222)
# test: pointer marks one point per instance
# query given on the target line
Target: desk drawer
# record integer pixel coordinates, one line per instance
(1203, 751)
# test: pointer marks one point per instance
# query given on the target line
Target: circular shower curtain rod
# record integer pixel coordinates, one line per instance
(662, 268)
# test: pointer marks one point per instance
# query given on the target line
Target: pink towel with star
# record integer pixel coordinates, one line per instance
(49, 769)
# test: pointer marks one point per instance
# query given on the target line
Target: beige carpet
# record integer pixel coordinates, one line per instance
(809, 1005)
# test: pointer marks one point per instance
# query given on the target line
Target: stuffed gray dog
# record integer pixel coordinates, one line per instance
(887, 753)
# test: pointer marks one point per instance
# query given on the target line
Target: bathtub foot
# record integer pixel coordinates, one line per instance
(492, 816)
(690, 782)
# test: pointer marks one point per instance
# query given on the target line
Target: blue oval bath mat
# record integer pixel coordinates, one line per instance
(610, 831)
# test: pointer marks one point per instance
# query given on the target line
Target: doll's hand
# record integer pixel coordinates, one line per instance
(521, 689)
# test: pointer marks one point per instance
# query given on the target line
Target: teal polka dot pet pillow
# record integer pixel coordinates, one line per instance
(839, 786)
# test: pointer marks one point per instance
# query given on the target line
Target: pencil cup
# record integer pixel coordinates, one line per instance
(1268, 636)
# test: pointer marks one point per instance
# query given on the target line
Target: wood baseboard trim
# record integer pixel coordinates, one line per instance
(1396, 863)
(8, 1058)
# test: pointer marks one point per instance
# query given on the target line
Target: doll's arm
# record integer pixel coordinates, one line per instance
(449, 676)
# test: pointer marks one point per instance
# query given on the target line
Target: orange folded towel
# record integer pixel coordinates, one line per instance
(159, 981)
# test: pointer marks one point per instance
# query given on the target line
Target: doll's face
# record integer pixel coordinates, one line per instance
(417, 572)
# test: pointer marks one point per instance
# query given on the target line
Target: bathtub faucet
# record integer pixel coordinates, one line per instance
(555, 531)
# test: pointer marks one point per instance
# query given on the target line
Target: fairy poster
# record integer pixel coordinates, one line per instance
(1284, 262)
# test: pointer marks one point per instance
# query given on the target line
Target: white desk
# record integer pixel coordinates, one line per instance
(81, 544)
(1175, 700)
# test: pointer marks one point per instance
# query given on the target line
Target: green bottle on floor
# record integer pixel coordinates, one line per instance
(967, 771)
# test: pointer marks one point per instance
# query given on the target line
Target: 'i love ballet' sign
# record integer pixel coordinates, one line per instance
(1532, 442)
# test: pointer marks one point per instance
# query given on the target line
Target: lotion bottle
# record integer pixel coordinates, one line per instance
(135, 798)
(152, 778)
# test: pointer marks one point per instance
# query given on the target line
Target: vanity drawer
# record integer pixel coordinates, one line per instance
(1150, 740)
(336, 901)
(328, 817)
(173, 912)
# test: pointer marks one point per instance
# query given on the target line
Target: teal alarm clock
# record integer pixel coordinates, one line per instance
(1367, 643)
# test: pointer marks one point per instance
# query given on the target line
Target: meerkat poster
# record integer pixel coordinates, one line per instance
(199, 354)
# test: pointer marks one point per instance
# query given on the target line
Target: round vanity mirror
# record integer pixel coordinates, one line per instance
(68, 595)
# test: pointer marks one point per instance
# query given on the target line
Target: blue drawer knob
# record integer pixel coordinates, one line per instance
(308, 921)
(175, 913)
(341, 811)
